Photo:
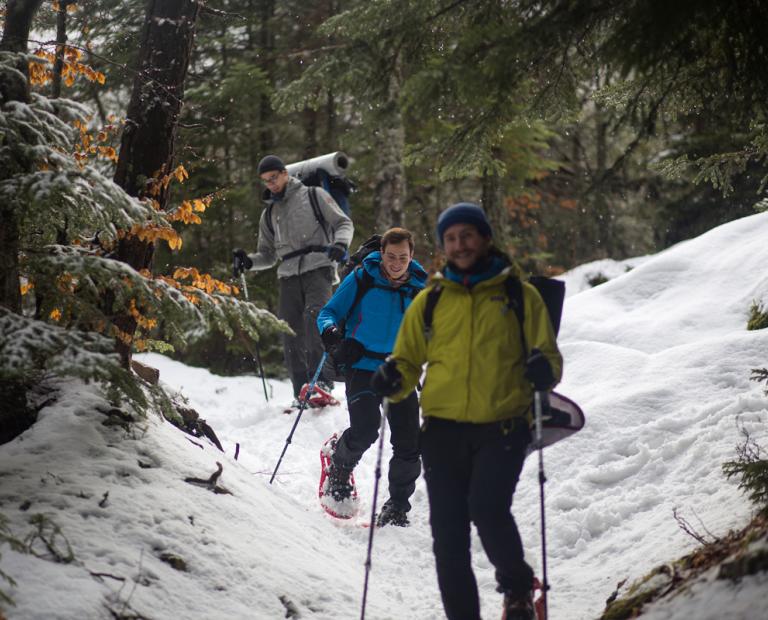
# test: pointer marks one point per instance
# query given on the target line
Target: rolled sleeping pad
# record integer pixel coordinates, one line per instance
(334, 164)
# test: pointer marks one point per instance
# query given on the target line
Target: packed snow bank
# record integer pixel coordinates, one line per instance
(658, 357)
(121, 503)
(592, 274)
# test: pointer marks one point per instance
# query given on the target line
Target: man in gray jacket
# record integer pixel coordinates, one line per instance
(307, 248)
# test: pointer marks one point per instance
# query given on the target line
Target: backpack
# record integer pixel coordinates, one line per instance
(370, 245)
(562, 418)
(551, 291)
(339, 187)
(315, 209)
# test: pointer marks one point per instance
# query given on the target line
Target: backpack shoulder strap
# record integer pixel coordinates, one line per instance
(365, 283)
(433, 296)
(514, 289)
(268, 218)
(318, 213)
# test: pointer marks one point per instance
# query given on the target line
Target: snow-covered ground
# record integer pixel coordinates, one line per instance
(589, 274)
(658, 357)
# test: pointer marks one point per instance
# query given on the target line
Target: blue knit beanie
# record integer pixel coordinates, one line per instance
(463, 213)
(270, 163)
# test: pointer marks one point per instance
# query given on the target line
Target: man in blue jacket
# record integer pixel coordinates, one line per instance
(370, 304)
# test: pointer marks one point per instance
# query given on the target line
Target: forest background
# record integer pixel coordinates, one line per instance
(585, 129)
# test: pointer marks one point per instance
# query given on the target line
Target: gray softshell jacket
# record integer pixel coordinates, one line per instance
(296, 227)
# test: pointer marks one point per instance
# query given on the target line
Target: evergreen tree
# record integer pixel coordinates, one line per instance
(70, 220)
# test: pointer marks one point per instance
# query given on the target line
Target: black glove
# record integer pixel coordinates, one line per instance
(539, 371)
(337, 252)
(387, 379)
(331, 337)
(240, 262)
(348, 351)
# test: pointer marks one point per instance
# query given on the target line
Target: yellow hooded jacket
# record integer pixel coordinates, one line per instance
(475, 360)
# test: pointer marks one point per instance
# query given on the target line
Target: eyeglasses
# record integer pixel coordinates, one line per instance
(272, 178)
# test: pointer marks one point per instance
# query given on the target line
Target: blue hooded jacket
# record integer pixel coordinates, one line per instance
(376, 319)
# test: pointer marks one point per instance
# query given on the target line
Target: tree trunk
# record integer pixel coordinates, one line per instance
(13, 87)
(601, 209)
(389, 192)
(147, 146)
(492, 201)
(310, 134)
(260, 42)
(61, 41)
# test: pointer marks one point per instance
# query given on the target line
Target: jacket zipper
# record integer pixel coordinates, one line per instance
(471, 352)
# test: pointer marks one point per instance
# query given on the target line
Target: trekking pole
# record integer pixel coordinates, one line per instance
(301, 410)
(539, 398)
(258, 352)
(384, 415)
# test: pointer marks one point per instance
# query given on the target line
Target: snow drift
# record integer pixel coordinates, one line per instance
(658, 357)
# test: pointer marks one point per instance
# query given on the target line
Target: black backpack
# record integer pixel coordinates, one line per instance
(551, 291)
(370, 245)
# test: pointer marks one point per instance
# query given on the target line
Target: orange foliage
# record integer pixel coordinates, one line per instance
(186, 212)
(152, 232)
(141, 320)
(204, 281)
(41, 73)
(71, 6)
(87, 146)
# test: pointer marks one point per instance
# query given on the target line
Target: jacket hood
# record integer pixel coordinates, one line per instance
(372, 264)
(290, 187)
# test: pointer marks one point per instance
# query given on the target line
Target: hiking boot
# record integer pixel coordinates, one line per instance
(340, 485)
(518, 608)
(326, 386)
(391, 515)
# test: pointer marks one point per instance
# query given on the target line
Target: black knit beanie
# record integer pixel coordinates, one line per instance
(270, 163)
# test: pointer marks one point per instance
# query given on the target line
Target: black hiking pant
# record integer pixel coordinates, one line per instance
(471, 472)
(301, 298)
(363, 431)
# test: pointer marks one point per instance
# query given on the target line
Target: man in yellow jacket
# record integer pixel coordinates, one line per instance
(481, 369)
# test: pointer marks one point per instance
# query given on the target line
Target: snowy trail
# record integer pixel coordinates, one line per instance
(659, 358)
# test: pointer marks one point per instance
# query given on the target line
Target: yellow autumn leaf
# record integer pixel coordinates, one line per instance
(180, 173)
(55, 314)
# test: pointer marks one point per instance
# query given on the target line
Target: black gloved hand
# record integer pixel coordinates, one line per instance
(337, 252)
(387, 379)
(349, 351)
(331, 337)
(538, 371)
(240, 262)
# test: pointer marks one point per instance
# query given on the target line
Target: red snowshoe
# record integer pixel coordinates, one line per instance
(337, 490)
(318, 398)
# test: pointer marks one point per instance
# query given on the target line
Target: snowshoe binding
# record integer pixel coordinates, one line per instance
(319, 397)
(337, 491)
(525, 608)
(518, 608)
